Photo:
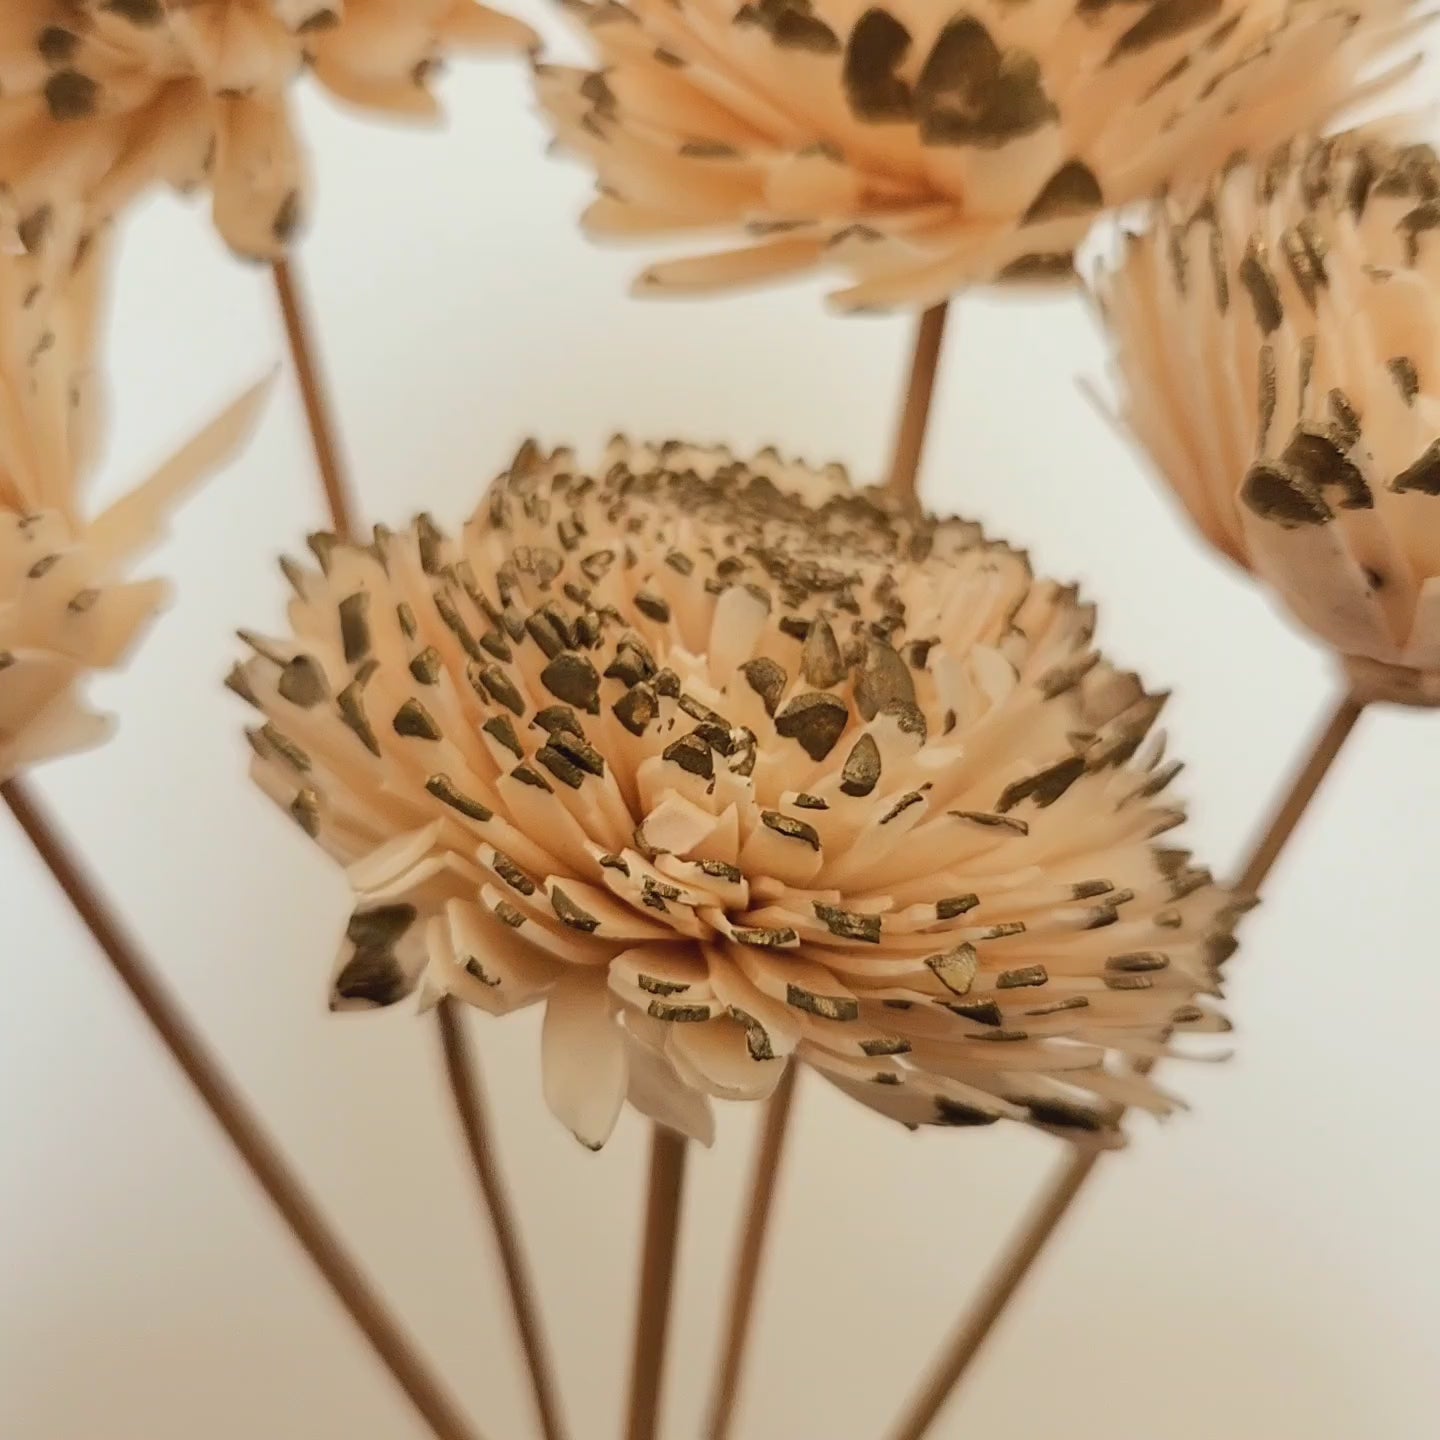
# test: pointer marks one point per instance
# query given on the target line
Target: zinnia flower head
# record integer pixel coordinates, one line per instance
(106, 97)
(1278, 340)
(925, 147)
(66, 607)
(727, 763)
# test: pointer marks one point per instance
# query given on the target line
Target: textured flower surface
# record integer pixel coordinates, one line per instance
(924, 147)
(65, 606)
(727, 763)
(1278, 342)
(103, 98)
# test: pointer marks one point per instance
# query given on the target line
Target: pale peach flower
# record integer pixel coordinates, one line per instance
(66, 605)
(99, 99)
(921, 148)
(1278, 343)
(728, 764)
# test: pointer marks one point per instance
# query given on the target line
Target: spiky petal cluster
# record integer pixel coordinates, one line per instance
(1278, 340)
(103, 98)
(728, 763)
(65, 607)
(925, 147)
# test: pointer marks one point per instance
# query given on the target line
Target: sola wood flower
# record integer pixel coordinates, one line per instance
(923, 147)
(105, 97)
(1278, 338)
(728, 763)
(65, 608)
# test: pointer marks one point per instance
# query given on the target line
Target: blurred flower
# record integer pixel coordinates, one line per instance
(1278, 340)
(65, 608)
(103, 98)
(729, 763)
(923, 148)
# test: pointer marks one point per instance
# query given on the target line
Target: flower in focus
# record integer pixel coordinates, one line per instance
(103, 98)
(1278, 341)
(728, 764)
(922, 147)
(66, 607)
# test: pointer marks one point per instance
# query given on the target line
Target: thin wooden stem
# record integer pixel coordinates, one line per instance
(316, 401)
(1306, 785)
(919, 392)
(255, 1148)
(460, 1068)
(1014, 1266)
(1018, 1260)
(657, 1281)
(464, 1077)
(752, 1252)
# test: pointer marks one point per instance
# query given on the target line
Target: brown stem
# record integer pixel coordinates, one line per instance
(1017, 1261)
(920, 391)
(657, 1281)
(1306, 785)
(999, 1289)
(459, 1065)
(752, 1252)
(255, 1148)
(464, 1077)
(317, 405)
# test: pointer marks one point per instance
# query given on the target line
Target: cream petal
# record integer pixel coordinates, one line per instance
(63, 727)
(717, 1055)
(393, 861)
(259, 178)
(381, 959)
(495, 967)
(135, 520)
(583, 1058)
(655, 1090)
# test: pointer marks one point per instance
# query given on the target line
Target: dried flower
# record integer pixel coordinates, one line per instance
(728, 763)
(106, 97)
(1278, 337)
(921, 148)
(64, 607)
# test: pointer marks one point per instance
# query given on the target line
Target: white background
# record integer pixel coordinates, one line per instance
(1267, 1266)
